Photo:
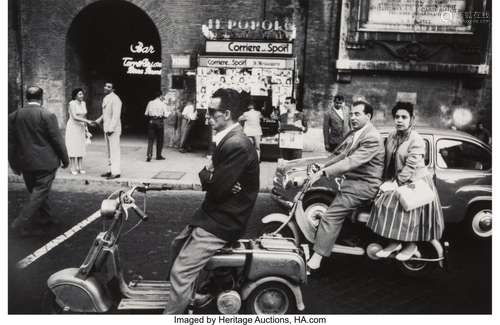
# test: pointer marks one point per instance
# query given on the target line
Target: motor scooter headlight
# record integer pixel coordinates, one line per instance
(229, 302)
(108, 208)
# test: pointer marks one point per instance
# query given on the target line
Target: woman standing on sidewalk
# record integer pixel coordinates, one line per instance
(76, 131)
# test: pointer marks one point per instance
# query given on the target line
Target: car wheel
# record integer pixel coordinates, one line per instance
(479, 222)
(271, 298)
(315, 205)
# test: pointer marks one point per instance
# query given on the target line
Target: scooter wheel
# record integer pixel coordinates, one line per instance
(271, 298)
(419, 268)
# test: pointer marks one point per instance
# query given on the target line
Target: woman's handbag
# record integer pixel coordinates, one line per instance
(415, 195)
(88, 136)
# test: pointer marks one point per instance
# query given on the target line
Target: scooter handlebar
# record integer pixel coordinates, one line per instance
(147, 188)
(140, 213)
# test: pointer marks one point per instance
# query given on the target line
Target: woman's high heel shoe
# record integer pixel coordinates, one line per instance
(387, 251)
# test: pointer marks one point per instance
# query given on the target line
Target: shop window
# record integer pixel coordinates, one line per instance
(426, 16)
(457, 154)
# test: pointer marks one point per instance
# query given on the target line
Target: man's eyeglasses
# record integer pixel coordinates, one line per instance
(215, 113)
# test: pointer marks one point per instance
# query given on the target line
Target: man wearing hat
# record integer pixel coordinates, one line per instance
(359, 159)
(335, 123)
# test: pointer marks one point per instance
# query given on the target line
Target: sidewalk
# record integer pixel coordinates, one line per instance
(179, 170)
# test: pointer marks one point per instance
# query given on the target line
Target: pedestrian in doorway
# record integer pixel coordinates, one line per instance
(293, 124)
(156, 112)
(36, 150)
(171, 121)
(335, 123)
(77, 131)
(252, 128)
(189, 116)
(111, 119)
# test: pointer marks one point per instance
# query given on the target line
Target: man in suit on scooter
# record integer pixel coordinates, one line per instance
(231, 180)
(360, 159)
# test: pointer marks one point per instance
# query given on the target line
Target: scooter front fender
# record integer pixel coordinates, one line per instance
(283, 218)
(249, 287)
(78, 293)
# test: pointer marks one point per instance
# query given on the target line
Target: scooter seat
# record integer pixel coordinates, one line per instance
(362, 214)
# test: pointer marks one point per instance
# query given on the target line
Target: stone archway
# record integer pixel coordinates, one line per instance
(96, 45)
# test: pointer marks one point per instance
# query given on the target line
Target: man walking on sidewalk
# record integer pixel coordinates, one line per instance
(156, 112)
(231, 180)
(36, 150)
(112, 125)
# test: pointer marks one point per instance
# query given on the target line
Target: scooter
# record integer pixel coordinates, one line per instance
(302, 230)
(261, 276)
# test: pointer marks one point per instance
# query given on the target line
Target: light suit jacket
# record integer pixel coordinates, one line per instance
(362, 164)
(410, 164)
(111, 112)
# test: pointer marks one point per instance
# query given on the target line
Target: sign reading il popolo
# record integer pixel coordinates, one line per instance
(242, 47)
(247, 62)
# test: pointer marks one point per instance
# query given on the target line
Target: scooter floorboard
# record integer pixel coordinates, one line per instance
(149, 284)
(127, 303)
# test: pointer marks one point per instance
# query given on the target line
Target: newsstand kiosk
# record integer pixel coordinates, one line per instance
(264, 69)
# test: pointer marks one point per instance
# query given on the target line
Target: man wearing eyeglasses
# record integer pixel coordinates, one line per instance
(231, 180)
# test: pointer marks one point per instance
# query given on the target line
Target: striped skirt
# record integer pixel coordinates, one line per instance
(388, 218)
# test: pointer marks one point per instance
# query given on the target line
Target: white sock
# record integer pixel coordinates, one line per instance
(315, 261)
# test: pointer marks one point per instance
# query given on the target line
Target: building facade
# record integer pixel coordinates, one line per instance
(433, 53)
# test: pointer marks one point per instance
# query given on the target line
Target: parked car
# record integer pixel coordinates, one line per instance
(460, 165)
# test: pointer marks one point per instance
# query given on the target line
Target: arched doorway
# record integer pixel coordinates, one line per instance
(104, 40)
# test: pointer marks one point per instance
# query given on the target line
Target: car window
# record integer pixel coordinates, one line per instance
(457, 154)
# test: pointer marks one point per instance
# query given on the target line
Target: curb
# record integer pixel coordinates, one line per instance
(124, 182)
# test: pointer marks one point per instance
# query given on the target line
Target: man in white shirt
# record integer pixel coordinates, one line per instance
(111, 118)
(189, 115)
(156, 112)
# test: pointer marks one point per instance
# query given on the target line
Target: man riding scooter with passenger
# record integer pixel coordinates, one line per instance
(231, 180)
(360, 160)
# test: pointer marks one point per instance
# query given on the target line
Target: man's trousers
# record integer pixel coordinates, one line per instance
(331, 222)
(38, 184)
(155, 132)
(113, 151)
(198, 245)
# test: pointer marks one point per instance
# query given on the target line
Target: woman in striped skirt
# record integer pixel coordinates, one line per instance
(405, 150)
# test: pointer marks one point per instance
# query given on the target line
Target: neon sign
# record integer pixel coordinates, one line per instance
(143, 66)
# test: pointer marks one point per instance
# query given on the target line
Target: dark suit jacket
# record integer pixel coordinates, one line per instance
(362, 164)
(335, 128)
(35, 142)
(223, 213)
